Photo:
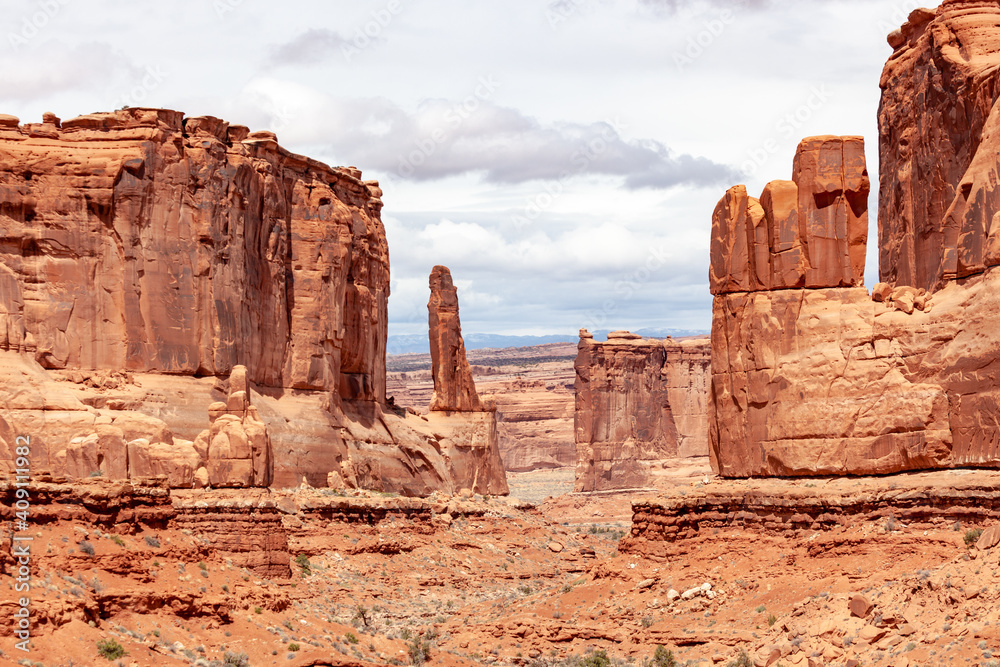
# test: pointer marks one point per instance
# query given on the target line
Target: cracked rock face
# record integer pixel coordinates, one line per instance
(639, 402)
(939, 132)
(178, 251)
(834, 381)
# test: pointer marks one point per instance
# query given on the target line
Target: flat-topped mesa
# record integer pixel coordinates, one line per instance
(939, 131)
(809, 232)
(639, 403)
(454, 387)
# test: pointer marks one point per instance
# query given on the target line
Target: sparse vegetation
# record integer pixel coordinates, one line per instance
(230, 659)
(293, 647)
(595, 659)
(771, 619)
(419, 649)
(109, 649)
(302, 561)
(87, 548)
(972, 536)
(350, 638)
(664, 658)
(742, 660)
(152, 541)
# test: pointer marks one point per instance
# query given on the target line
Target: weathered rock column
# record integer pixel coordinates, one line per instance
(454, 388)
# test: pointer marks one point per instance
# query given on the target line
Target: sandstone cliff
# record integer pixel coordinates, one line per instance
(173, 250)
(832, 380)
(939, 129)
(638, 402)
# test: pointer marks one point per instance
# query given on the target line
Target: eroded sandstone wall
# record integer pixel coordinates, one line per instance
(145, 256)
(147, 241)
(639, 402)
(828, 379)
(939, 129)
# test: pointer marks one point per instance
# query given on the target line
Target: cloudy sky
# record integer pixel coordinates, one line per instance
(563, 158)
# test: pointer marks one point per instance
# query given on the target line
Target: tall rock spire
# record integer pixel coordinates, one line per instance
(454, 388)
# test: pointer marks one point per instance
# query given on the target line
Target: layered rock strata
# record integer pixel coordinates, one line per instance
(638, 402)
(932, 500)
(171, 250)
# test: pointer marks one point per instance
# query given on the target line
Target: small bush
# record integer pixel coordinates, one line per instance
(293, 647)
(350, 638)
(302, 561)
(109, 649)
(87, 548)
(647, 622)
(231, 659)
(972, 536)
(419, 649)
(664, 658)
(771, 619)
(202, 566)
(596, 659)
(258, 610)
(152, 541)
(761, 609)
(742, 660)
(96, 473)
(119, 541)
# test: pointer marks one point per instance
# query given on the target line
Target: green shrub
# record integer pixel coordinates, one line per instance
(258, 610)
(153, 542)
(293, 647)
(664, 658)
(109, 649)
(350, 638)
(419, 649)
(119, 541)
(972, 536)
(302, 561)
(771, 619)
(596, 659)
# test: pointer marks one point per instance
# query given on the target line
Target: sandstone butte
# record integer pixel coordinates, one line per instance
(639, 402)
(157, 269)
(811, 374)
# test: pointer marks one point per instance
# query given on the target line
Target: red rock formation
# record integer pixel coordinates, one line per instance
(454, 388)
(834, 381)
(147, 241)
(939, 130)
(237, 447)
(811, 231)
(638, 402)
(178, 249)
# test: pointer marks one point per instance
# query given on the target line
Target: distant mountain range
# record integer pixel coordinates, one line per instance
(418, 344)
